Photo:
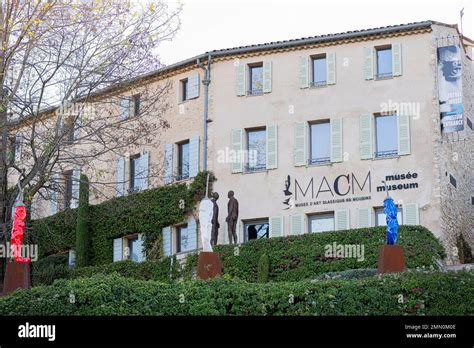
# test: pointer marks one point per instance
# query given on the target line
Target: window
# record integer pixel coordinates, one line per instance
(381, 219)
(321, 222)
(136, 104)
(183, 160)
(257, 152)
(386, 136)
(132, 251)
(184, 90)
(68, 189)
(384, 62)
(183, 240)
(319, 70)
(320, 150)
(256, 229)
(256, 79)
(135, 174)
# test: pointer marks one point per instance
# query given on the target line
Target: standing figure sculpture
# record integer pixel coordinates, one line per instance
(232, 217)
(205, 220)
(215, 219)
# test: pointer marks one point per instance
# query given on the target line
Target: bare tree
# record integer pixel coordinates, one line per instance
(61, 65)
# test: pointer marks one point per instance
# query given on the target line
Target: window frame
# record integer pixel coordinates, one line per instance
(388, 153)
(320, 215)
(178, 230)
(257, 168)
(383, 76)
(380, 209)
(315, 57)
(131, 175)
(184, 89)
(259, 221)
(180, 168)
(136, 104)
(68, 181)
(250, 90)
(322, 160)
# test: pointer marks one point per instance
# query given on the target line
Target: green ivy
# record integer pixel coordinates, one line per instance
(144, 212)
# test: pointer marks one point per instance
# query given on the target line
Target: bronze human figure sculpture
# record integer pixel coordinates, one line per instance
(232, 217)
(215, 219)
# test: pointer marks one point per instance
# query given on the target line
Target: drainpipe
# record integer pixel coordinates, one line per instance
(206, 81)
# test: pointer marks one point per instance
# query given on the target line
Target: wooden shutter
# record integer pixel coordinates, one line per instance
(166, 241)
(299, 153)
(240, 80)
(403, 128)
(341, 219)
(118, 249)
(369, 63)
(365, 136)
(237, 147)
(276, 226)
(76, 178)
(192, 234)
(411, 214)
(168, 165)
(296, 224)
(336, 139)
(397, 59)
(364, 217)
(303, 72)
(120, 176)
(272, 147)
(267, 77)
(193, 156)
(331, 68)
(193, 86)
(140, 249)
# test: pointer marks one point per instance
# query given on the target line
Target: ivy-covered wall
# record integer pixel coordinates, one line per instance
(144, 212)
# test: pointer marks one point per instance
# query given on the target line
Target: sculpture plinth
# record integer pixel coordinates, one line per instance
(209, 265)
(391, 259)
(17, 276)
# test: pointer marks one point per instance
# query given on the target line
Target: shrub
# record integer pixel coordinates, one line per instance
(303, 257)
(348, 274)
(45, 271)
(434, 293)
(263, 269)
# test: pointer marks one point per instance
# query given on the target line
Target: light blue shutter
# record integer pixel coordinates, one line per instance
(411, 214)
(267, 77)
(364, 217)
(166, 241)
(53, 203)
(240, 80)
(368, 63)
(192, 234)
(365, 136)
(237, 148)
(71, 260)
(120, 176)
(397, 59)
(118, 249)
(193, 86)
(331, 68)
(124, 108)
(193, 156)
(77, 127)
(272, 147)
(168, 171)
(296, 224)
(276, 226)
(76, 178)
(403, 128)
(299, 152)
(336, 139)
(142, 171)
(140, 249)
(341, 219)
(303, 71)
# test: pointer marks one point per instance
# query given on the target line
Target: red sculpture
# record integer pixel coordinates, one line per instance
(17, 233)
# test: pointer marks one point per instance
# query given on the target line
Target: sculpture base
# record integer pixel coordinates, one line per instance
(17, 276)
(391, 259)
(209, 265)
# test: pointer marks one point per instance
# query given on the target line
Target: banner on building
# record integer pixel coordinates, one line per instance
(450, 88)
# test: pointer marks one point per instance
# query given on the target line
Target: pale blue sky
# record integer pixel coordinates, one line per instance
(211, 24)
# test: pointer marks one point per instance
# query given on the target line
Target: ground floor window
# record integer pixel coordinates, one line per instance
(381, 220)
(183, 239)
(132, 251)
(256, 229)
(321, 222)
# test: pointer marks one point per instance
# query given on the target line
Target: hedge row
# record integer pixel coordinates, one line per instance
(300, 257)
(144, 212)
(409, 293)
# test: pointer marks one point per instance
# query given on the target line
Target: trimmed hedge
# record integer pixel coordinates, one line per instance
(144, 212)
(433, 293)
(300, 257)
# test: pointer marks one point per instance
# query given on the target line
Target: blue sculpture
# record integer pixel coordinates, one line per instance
(390, 211)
